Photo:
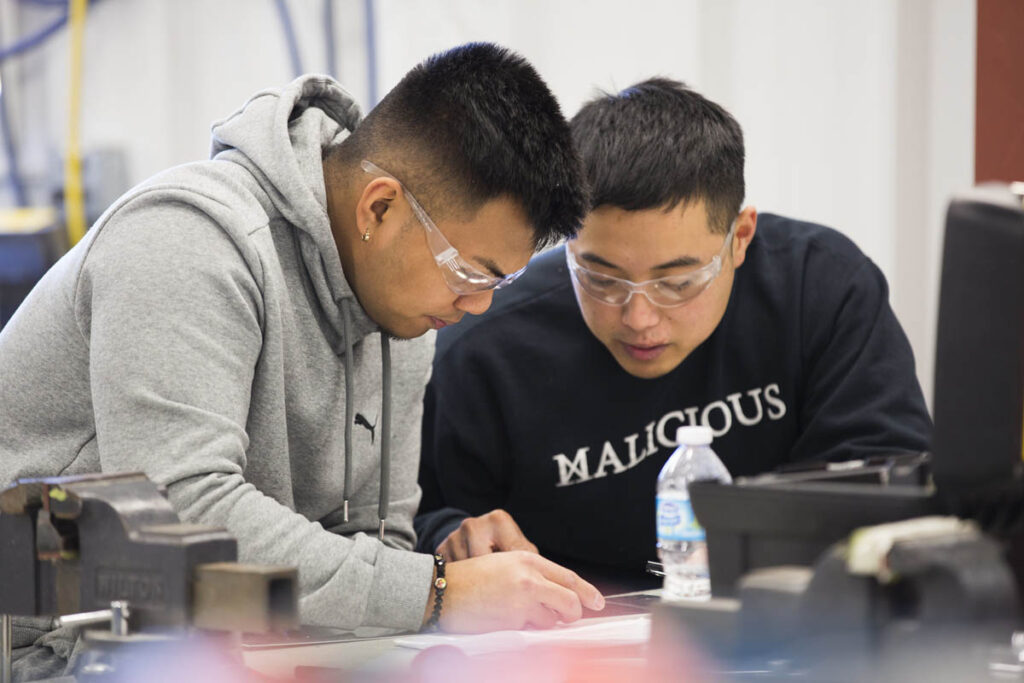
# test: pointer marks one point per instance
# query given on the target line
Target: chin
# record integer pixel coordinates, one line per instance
(402, 329)
(403, 334)
(648, 370)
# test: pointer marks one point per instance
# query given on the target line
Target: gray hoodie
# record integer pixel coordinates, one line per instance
(204, 333)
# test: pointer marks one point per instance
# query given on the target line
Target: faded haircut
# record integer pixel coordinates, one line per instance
(472, 124)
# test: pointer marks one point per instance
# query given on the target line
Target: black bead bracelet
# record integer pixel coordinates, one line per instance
(440, 583)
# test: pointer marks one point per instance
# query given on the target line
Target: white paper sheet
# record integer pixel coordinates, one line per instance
(631, 631)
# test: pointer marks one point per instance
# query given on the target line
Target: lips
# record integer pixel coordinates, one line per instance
(644, 352)
(438, 323)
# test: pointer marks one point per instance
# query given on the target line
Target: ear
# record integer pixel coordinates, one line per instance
(746, 226)
(376, 210)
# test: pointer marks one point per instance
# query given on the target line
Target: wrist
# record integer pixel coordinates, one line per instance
(435, 597)
(429, 608)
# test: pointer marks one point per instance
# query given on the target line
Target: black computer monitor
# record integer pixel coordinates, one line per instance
(978, 446)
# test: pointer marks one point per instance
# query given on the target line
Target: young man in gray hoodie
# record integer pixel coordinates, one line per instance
(225, 327)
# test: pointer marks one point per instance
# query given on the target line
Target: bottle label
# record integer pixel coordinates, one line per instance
(675, 519)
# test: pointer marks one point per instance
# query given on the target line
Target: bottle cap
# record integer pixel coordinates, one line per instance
(694, 436)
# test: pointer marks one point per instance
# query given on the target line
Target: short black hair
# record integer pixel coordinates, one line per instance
(473, 124)
(659, 143)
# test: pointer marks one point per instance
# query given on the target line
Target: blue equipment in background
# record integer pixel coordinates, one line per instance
(31, 240)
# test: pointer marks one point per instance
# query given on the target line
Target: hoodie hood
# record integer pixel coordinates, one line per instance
(279, 136)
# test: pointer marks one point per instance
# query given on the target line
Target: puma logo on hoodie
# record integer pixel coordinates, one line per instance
(363, 422)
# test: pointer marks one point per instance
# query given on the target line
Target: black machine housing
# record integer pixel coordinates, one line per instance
(777, 543)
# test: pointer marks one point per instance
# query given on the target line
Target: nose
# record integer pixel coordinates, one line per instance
(475, 304)
(639, 313)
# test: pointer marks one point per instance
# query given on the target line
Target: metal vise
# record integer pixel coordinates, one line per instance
(112, 546)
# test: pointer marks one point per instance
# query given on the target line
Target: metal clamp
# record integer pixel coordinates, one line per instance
(116, 616)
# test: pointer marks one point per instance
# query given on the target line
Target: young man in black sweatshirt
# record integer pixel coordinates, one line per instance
(549, 417)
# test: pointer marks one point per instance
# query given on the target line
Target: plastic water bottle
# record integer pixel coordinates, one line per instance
(682, 547)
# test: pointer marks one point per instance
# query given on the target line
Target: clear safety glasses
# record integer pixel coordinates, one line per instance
(673, 290)
(461, 276)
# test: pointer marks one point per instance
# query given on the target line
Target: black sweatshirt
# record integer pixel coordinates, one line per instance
(529, 412)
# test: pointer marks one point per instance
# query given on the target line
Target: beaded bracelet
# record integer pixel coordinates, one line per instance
(440, 583)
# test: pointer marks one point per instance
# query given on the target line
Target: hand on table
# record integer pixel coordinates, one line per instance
(512, 590)
(493, 532)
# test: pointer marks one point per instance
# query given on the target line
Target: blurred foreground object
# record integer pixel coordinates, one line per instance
(810, 576)
(109, 550)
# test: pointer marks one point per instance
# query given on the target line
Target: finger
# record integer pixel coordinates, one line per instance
(564, 603)
(540, 616)
(462, 539)
(479, 538)
(530, 548)
(444, 550)
(521, 543)
(453, 548)
(447, 551)
(588, 594)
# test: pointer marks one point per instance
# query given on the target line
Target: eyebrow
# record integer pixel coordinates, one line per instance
(489, 265)
(682, 261)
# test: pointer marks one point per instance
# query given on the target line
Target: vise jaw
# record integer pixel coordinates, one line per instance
(76, 544)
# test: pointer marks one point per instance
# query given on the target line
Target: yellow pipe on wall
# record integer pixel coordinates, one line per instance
(74, 203)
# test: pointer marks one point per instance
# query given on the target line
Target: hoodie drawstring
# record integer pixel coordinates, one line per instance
(385, 419)
(346, 326)
(385, 431)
